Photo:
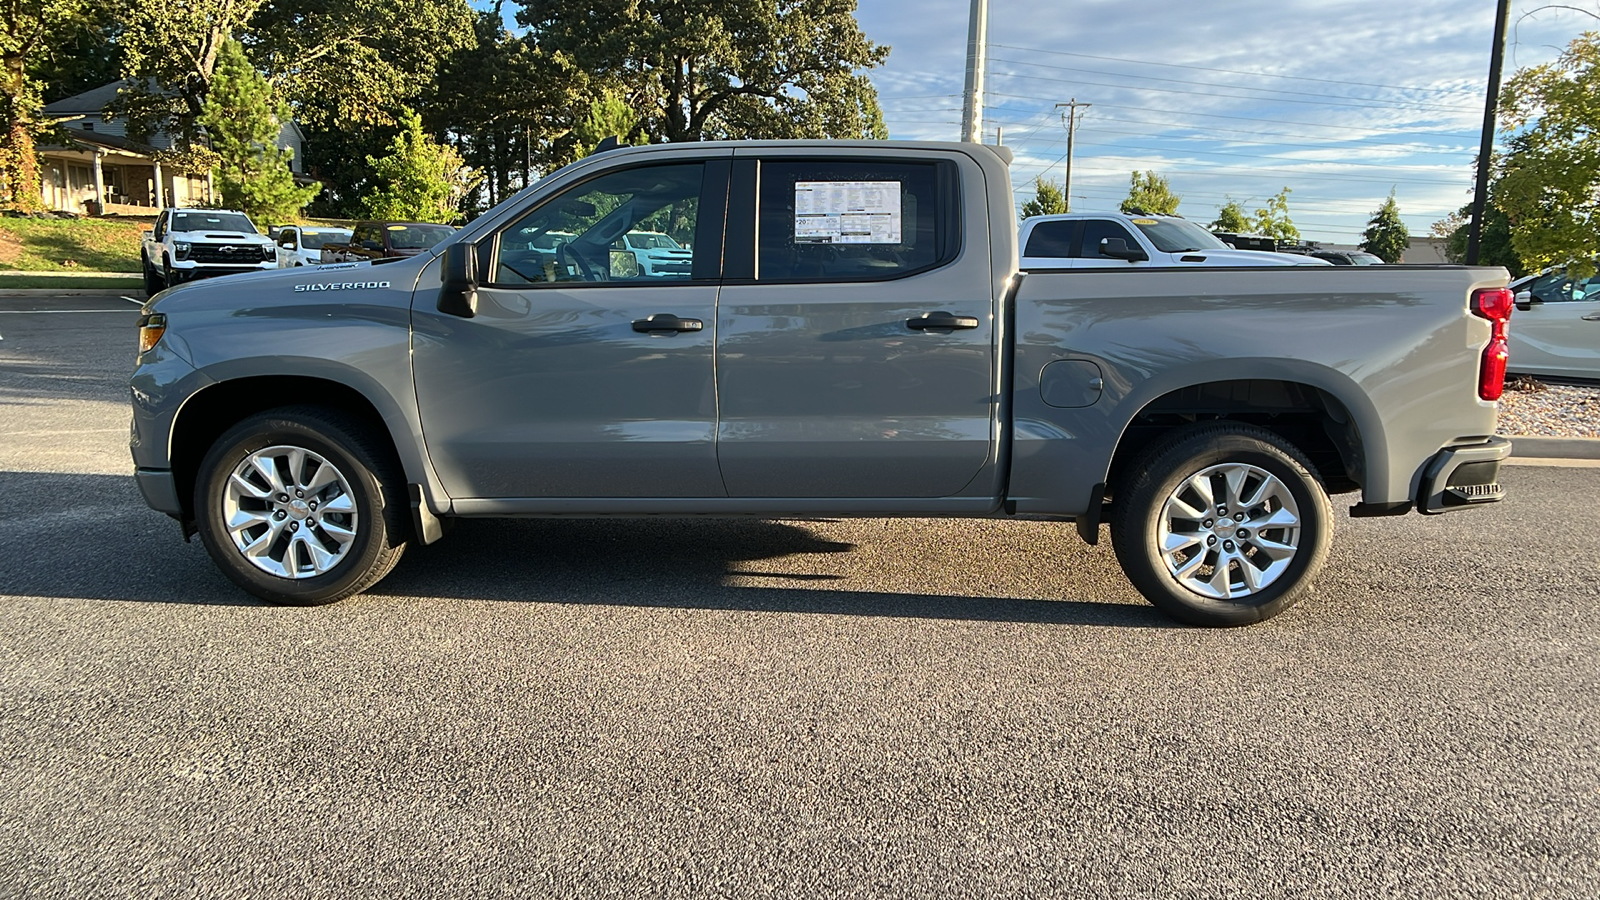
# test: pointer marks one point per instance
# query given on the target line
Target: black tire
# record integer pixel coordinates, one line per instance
(1160, 475)
(152, 281)
(167, 278)
(376, 494)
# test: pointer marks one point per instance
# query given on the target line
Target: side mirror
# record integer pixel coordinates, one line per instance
(458, 296)
(624, 264)
(1526, 300)
(1117, 248)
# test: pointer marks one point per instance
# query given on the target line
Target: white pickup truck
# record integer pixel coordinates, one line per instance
(197, 243)
(1102, 240)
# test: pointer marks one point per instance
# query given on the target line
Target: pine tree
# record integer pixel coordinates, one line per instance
(421, 180)
(243, 120)
(1386, 236)
(1048, 199)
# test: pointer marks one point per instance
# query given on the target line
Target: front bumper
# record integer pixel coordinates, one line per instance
(160, 490)
(1459, 477)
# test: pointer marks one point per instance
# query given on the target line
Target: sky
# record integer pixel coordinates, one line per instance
(1339, 100)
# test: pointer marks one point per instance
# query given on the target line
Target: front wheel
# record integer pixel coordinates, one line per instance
(1222, 524)
(301, 506)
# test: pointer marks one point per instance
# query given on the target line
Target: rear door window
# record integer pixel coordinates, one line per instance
(854, 220)
(1052, 239)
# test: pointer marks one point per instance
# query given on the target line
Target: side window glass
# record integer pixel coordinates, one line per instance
(1096, 230)
(850, 220)
(1050, 239)
(578, 236)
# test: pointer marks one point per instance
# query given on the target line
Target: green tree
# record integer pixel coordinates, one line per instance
(1273, 219)
(1386, 236)
(420, 180)
(1231, 218)
(718, 68)
(1494, 244)
(1548, 182)
(170, 52)
(26, 33)
(1149, 192)
(1048, 199)
(609, 116)
(243, 120)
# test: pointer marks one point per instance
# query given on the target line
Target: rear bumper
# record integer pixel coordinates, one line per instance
(1460, 477)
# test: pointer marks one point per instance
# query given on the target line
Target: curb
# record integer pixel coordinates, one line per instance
(65, 273)
(1535, 447)
(36, 293)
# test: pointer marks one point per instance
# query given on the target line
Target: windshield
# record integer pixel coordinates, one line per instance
(1364, 259)
(199, 221)
(417, 237)
(312, 240)
(1178, 235)
(646, 240)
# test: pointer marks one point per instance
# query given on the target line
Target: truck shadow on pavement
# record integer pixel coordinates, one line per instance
(90, 537)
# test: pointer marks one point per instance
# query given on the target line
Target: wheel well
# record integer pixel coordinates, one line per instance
(214, 410)
(1308, 417)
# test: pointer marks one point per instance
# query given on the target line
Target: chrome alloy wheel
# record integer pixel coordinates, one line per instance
(289, 512)
(1229, 531)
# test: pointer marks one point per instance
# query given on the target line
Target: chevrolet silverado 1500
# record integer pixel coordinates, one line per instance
(852, 337)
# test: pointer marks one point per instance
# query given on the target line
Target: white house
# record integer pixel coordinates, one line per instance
(99, 168)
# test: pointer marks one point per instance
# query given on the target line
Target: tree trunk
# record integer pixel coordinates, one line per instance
(19, 165)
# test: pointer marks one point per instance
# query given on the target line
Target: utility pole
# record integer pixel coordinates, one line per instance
(977, 42)
(1071, 117)
(1480, 193)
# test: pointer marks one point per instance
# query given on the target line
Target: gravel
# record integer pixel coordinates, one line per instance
(1533, 407)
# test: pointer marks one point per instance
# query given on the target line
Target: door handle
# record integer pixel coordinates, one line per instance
(936, 321)
(661, 323)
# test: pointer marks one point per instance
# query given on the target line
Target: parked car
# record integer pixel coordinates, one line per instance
(301, 245)
(1556, 331)
(1099, 240)
(1348, 257)
(863, 344)
(386, 240)
(658, 254)
(186, 244)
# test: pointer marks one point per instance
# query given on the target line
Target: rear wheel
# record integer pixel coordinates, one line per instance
(1222, 524)
(301, 506)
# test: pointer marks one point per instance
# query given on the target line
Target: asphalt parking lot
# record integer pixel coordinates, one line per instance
(887, 708)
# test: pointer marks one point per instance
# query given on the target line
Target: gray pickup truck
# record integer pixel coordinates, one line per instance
(853, 337)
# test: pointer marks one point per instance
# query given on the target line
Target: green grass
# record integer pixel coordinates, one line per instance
(67, 283)
(70, 245)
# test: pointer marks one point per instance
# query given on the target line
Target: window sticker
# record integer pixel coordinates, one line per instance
(847, 212)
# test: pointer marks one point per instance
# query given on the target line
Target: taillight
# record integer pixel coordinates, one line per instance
(1494, 304)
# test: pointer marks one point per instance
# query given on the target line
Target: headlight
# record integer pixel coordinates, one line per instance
(269, 252)
(151, 328)
(180, 249)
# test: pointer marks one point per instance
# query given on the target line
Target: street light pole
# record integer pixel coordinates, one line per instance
(1480, 192)
(977, 41)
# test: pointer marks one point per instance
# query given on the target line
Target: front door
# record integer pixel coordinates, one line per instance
(581, 375)
(1559, 333)
(855, 351)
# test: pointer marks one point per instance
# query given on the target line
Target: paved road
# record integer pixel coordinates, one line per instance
(802, 708)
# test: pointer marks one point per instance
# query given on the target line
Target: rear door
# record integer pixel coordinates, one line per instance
(856, 329)
(1051, 244)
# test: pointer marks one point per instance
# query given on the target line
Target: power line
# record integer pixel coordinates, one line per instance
(1146, 62)
(1186, 112)
(1374, 100)
(1129, 87)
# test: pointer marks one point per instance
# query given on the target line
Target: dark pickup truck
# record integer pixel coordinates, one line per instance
(852, 337)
